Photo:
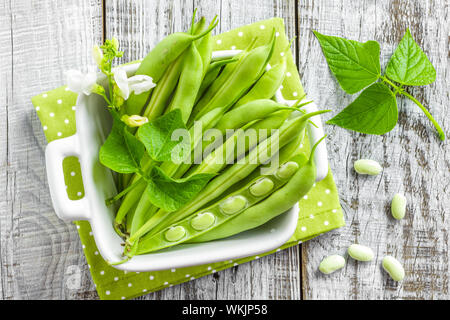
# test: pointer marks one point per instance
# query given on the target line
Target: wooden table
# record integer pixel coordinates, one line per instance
(41, 256)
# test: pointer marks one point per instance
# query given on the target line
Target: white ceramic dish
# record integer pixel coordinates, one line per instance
(93, 124)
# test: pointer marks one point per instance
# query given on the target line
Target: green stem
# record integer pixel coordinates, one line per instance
(123, 192)
(427, 113)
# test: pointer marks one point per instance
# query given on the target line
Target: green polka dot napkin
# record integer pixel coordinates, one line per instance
(319, 210)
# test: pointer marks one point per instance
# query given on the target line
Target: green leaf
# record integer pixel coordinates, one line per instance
(121, 152)
(354, 64)
(157, 137)
(409, 65)
(171, 194)
(373, 112)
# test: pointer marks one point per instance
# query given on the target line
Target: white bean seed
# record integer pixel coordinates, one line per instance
(367, 166)
(332, 263)
(398, 206)
(360, 252)
(394, 268)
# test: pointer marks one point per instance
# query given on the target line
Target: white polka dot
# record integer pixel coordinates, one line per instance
(319, 203)
(257, 257)
(72, 173)
(116, 278)
(45, 128)
(90, 233)
(311, 216)
(96, 253)
(130, 285)
(108, 292)
(45, 95)
(78, 227)
(89, 266)
(235, 264)
(83, 246)
(327, 191)
(66, 121)
(192, 278)
(233, 47)
(303, 228)
(151, 277)
(173, 270)
(73, 108)
(288, 74)
(214, 271)
(52, 114)
(305, 197)
(188, 275)
(59, 134)
(262, 27)
(277, 34)
(334, 210)
(240, 34)
(295, 93)
(326, 223)
(123, 298)
(209, 268)
(282, 54)
(102, 272)
(314, 185)
(59, 101)
(79, 193)
(299, 242)
(37, 108)
(301, 145)
(145, 290)
(219, 41)
(278, 250)
(166, 283)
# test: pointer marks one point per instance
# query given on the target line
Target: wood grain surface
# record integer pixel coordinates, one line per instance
(41, 256)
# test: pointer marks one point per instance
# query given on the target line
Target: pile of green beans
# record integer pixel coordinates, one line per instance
(229, 94)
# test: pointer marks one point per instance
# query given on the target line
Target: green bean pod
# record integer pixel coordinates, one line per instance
(158, 60)
(235, 173)
(190, 79)
(244, 76)
(277, 203)
(267, 85)
(217, 215)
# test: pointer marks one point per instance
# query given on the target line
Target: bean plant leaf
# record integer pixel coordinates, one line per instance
(121, 152)
(354, 64)
(157, 137)
(409, 65)
(373, 112)
(171, 194)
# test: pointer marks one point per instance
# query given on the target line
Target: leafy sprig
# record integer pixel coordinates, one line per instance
(356, 66)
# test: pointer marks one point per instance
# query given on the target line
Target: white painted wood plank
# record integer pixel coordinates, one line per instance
(416, 163)
(40, 40)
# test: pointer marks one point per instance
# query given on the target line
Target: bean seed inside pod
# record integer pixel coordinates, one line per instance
(287, 170)
(233, 204)
(261, 187)
(398, 206)
(360, 253)
(367, 166)
(175, 233)
(331, 264)
(203, 221)
(394, 268)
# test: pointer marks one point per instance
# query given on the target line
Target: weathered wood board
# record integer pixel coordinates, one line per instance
(41, 256)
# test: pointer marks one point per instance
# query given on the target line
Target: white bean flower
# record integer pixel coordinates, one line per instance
(79, 82)
(137, 84)
(134, 120)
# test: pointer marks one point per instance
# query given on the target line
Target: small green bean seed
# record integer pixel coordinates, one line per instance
(360, 253)
(367, 166)
(175, 233)
(331, 264)
(233, 204)
(398, 206)
(287, 170)
(261, 187)
(394, 268)
(203, 221)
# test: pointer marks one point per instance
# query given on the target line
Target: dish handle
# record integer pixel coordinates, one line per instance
(55, 152)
